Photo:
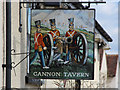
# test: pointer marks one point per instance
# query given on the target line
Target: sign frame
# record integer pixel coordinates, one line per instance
(93, 48)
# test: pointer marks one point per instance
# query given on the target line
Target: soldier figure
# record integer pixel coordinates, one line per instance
(54, 32)
(70, 33)
(39, 45)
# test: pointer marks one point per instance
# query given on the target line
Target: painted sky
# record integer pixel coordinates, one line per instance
(82, 18)
(107, 16)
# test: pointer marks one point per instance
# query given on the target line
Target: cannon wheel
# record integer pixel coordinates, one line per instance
(79, 52)
(48, 54)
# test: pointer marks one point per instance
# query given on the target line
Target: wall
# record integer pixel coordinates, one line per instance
(103, 71)
(15, 41)
(1, 42)
(3, 61)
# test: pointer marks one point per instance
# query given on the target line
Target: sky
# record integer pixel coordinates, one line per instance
(107, 16)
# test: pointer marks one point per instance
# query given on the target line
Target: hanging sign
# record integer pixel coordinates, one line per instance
(62, 44)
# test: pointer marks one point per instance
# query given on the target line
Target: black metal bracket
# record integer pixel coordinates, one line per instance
(13, 50)
(20, 5)
(3, 65)
(77, 5)
(87, 7)
(20, 61)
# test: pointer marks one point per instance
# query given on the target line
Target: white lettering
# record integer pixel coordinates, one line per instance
(87, 74)
(35, 73)
(78, 75)
(74, 74)
(65, 73)
(58, 74)
(69, 75)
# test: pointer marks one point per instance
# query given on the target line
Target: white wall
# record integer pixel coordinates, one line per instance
(104, 63)
(4, 43)
(15, 41)
(1, 42)
(96, 63)
(103, 71)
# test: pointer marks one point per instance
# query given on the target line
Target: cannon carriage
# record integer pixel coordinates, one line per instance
(76, 45)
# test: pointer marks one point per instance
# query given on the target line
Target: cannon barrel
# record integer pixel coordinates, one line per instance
(68, 40)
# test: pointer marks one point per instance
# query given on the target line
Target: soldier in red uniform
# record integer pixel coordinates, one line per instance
(39, 44)
(70, 33)
(54, 32)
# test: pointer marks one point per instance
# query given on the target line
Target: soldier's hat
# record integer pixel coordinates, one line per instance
(52, 22)
(38, 22)
(71, 21)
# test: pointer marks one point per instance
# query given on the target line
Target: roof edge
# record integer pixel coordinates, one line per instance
(102, 31)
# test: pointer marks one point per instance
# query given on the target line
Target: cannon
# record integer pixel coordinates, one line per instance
(77, 45)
